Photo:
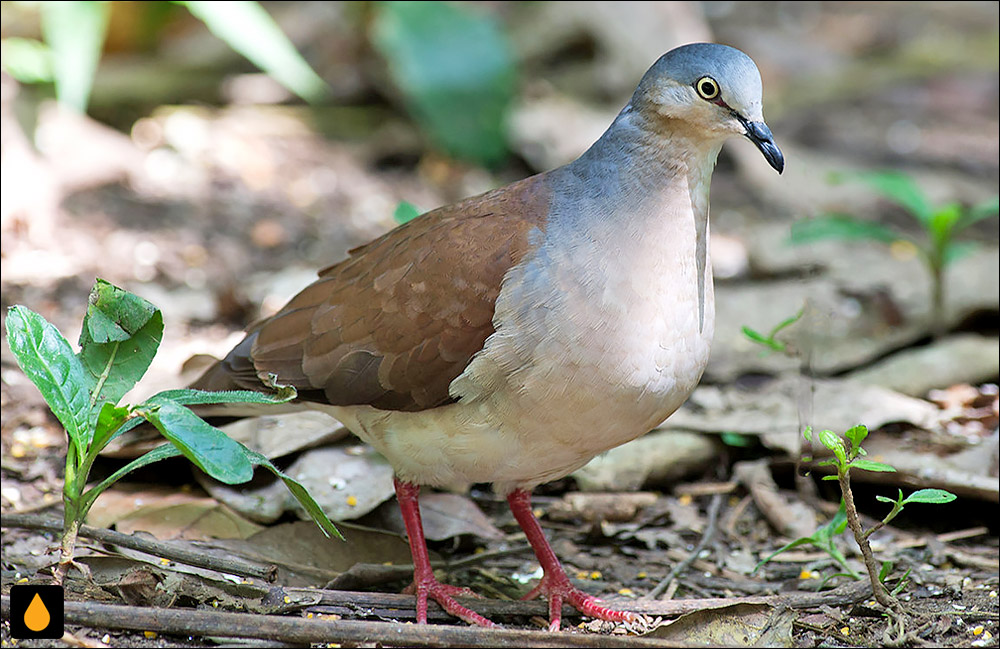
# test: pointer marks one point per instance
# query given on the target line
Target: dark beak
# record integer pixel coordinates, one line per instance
(760, 134)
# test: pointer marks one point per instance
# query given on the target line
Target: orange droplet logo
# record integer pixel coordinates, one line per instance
(37, 617)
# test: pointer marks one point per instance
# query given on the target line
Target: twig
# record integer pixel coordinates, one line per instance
(713, 517)
(172, 551)
(872, 566)
(187, 622)
(301, 630)
(398, 606)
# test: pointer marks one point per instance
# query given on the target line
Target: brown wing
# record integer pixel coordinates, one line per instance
(393, 324)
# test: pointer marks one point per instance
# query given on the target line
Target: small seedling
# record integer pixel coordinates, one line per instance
(121, 333)
(941, 226)
(769, 341)
(846, 457)
(850, 456)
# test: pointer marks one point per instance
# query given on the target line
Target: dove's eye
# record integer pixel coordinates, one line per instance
(707, 88)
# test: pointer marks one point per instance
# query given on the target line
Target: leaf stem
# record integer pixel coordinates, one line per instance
(102, 379)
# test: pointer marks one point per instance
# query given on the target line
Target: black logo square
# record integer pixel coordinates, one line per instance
(36, 612)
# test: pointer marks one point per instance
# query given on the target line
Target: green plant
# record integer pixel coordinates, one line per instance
(455, 70)
(769, 341)
(941, 226)
(73, 35)
(851, 456)
(121, 333)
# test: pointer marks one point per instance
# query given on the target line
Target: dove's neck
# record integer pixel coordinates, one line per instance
(645, 195)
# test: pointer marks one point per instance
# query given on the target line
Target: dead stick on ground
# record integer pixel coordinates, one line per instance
(186, 622)
(398, 606)
(172, 551)
(713, 516)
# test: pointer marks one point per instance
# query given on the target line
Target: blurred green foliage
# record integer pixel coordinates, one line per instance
(74, 34)
(768, 341)
(249, 30)
(456, 71)
(941, 225)
(406, 211)
(451, 63)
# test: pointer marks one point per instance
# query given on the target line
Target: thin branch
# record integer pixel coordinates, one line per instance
(172, 551)
(871, 564)
(187, 622)
(713, 517)
(398, 606)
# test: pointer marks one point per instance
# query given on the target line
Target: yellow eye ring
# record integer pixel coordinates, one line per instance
(707, 88)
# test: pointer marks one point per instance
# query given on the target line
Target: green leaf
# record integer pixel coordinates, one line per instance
(455, 69)
(834, 527)
(840, 226)
(979, 211)
(161, 452)
(301, 494)
(249, 29)
(856, 435)
(822, 539)
(737, 440)
(901, 189)
(405, 212)
(869, 465)
(26, 59)
(205, 445)
(788, 546)
(884, 499)
(902, 583)
(75, 33)
(120, 336)
(755, 336)
(109, 420)
(787, 322)
(48, 360)
(930, 496)
(114, 314)
(807, 433)
(129, 424)
(884, 572)
(832, 441)
(955, 250)
(942, 223)
(190, 397)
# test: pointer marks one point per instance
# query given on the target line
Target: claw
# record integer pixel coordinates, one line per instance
(443, 595)
(555, 585)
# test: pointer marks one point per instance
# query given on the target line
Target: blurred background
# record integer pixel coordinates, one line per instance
(211, 157)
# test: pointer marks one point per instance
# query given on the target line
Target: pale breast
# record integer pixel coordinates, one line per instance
(600, 334)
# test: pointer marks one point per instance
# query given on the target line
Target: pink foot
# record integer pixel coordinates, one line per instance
(424, 583)
(442, 594)
(555, 585)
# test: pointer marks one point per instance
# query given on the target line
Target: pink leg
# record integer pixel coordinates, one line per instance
(424, 584)
(555, 585)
